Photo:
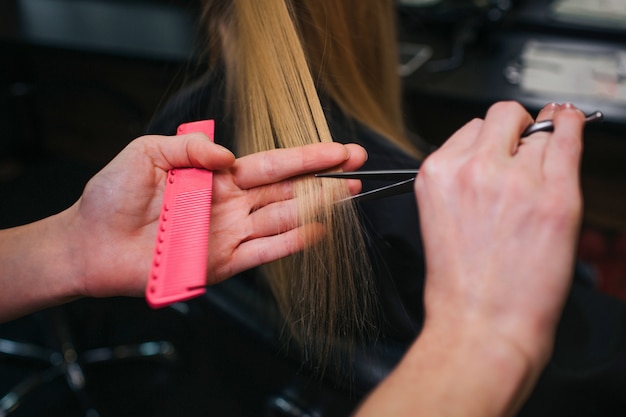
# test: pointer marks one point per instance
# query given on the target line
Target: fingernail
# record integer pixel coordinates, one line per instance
(571, 106)
(551, 106)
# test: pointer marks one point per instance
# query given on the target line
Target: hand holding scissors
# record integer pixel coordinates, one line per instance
(405, 177)
(499, 220)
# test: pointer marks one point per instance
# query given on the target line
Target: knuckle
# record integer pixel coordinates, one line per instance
(430, 171)
(262, 255)
(559, 211)
(475, 123)
(268, 166)
(478, 173)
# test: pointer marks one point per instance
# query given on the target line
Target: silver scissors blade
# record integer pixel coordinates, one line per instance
(381, 174)
(406, 177)
(396, 188)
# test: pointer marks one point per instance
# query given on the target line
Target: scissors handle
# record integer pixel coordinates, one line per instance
(548, 125)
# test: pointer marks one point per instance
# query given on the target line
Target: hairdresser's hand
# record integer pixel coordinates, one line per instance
(500, 221)
(113, 225)
(254, 216)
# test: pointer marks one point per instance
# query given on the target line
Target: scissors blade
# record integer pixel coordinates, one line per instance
(406, 177)
(397, 188)
(384, 174)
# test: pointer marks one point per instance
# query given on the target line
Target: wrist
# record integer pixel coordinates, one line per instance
(36, 267)
(466, 371)
(60, 258)
(71, 252)
(483, 373)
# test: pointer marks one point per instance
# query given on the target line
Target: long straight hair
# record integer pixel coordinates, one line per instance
(276, 55)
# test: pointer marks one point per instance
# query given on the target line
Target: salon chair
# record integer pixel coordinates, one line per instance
(65, 350)
(59, 347)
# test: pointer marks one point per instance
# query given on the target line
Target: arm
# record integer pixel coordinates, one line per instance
(102, 245)
(500, 219)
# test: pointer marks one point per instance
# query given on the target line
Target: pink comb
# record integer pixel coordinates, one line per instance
(180, 255)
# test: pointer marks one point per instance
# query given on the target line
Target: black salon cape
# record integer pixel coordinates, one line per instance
(587, 375)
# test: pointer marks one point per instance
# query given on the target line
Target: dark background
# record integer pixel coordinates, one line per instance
(72, 95)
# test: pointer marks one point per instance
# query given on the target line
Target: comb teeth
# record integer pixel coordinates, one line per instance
(180, 255)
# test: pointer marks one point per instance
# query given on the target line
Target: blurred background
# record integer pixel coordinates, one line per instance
(79, 79)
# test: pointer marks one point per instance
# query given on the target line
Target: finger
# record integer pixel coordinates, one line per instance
(274, 219)
(191, 150)
(444, 162)
(262, 196)
(260, 251)
(354, 186)
(358, 156)
(504, 124)
(547, 112)
(279, 164)
(276, 210)
(564, 149)
(284, 190)
(532, 148)
(463, 138)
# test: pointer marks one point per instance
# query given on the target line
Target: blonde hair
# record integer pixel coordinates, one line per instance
(352, 50)
(327, 292)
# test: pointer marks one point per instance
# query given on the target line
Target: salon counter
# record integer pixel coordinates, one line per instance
(439, 102)
(157, 30)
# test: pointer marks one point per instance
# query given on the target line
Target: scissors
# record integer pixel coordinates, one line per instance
(406, 177)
